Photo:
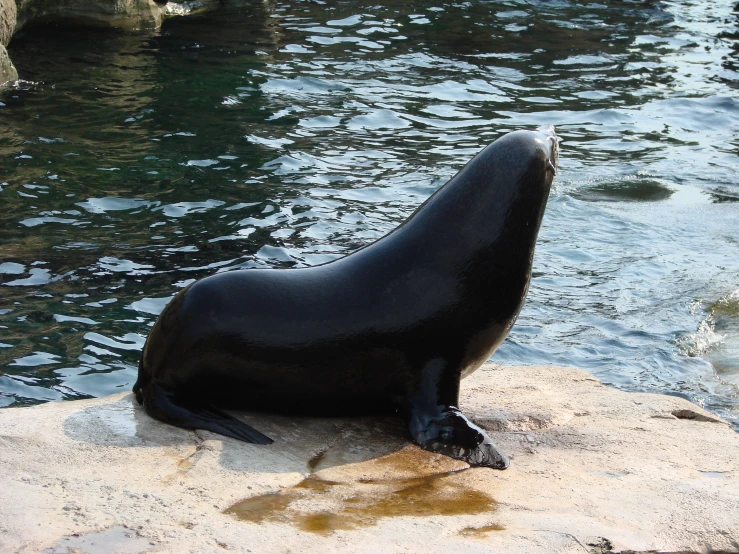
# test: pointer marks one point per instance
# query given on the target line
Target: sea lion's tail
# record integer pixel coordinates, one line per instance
(165, 405)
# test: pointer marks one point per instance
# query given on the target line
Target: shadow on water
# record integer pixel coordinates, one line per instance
(641, 190)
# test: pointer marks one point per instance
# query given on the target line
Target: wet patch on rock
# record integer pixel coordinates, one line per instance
(410, 482)
(115, 539)
(480, 531)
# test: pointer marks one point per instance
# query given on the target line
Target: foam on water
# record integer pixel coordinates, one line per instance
(705, 338)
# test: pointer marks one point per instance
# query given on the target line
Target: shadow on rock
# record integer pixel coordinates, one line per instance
(302, 444)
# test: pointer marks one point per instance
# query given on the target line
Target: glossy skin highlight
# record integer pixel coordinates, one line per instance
(393, 326)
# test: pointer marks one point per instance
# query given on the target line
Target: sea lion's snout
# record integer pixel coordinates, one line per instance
(552, 142)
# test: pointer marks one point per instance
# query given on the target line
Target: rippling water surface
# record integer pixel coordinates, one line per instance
(290, 134)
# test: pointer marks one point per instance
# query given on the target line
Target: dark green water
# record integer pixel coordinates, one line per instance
(290, 134)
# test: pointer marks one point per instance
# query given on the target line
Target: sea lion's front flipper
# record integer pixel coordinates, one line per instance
(437, 425)
(166, 406)
(450, 433)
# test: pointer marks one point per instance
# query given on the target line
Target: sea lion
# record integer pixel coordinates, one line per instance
(392, 326)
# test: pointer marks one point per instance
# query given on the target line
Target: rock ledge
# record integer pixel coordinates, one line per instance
(593, 470)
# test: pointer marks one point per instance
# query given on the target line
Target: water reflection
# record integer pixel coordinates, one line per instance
(291, 134)
(730, 74)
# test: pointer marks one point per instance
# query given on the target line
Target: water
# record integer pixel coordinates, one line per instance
(287, 135)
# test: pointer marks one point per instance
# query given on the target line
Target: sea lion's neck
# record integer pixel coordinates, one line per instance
(489, 213)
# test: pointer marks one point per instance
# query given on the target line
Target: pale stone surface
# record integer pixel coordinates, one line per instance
(7, 69)
(7, 27)
(7, 20)
(592, 468)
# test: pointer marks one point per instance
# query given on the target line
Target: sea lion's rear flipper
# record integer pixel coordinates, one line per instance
(166, 406)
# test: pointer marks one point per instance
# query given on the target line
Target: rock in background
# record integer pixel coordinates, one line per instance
(125, 14)
(7, 27)
(122, 14)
